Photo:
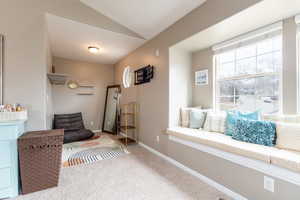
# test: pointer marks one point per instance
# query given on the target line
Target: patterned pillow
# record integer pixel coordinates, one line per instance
(215, 122)
(197, 119)
(255, 131)
(232, 116)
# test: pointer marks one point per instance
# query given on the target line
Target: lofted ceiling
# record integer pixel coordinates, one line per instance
(145, 17)
(261, 14)
(71, 39)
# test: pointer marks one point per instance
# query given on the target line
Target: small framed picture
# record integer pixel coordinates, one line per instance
(201, 77)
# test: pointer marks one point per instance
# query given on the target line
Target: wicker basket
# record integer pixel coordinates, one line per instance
(40, 159)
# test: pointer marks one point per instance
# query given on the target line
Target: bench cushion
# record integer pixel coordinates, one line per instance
(286, 159)
(288, 136)
(223, 142)
(215, 122)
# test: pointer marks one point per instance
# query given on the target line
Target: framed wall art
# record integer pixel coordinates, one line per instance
(201, 77)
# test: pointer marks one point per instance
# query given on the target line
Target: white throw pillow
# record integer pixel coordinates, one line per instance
(215, 122)
(185, 116)
(288, 136)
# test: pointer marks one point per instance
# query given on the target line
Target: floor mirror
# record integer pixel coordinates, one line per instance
(110, 118)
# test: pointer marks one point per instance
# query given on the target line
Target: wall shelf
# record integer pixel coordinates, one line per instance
(86, 86)
(57, 79)
(87, 94)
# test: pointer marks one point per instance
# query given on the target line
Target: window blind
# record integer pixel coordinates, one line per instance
(249, 38)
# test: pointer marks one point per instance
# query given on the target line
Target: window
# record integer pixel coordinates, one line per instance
(248, 76)
(297, 20)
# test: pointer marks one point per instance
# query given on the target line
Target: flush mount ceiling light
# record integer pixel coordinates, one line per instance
(93, 49)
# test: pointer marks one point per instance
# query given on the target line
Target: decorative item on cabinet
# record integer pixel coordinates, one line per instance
(9, 112)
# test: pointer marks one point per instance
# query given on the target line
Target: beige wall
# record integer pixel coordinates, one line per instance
(49, 99)
(180, 81)
(67, 101)
(154, 105)
(290, 72)
(203, 95)
(23, 25)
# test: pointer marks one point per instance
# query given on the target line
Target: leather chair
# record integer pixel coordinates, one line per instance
(73, 126)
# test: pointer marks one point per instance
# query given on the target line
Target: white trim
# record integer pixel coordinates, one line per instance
(273, 28)
(247, 76)
(203, 178)
(297, 19)
(269, 169)
(298, 66)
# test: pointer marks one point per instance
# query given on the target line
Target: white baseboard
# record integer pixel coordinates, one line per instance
(203, 178)
(96, 131)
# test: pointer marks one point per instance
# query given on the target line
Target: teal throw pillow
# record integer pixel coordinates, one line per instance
(250, 115)
(255, 131)
(232, 116)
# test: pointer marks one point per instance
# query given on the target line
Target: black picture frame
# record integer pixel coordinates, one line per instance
(143, 75)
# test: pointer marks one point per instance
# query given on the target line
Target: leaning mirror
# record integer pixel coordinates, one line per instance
(110, 117)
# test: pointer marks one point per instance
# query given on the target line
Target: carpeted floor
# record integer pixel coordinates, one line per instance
(140, 175)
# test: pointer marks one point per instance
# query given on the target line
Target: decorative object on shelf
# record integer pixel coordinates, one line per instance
(57, 79)
(72, 84)
(53, 69)
(127, 77)
(110, 118)
(201, 77)
(1, 67)
(144, 75)
(84, 88)
(129, 124)
(13, 112)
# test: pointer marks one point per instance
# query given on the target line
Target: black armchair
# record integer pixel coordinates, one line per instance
(73, 126)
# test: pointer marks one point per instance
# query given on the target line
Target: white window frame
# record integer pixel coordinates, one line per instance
(244, 40)
(297, 21)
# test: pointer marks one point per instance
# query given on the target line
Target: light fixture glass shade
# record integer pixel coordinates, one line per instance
(93, 49)
(72, 84)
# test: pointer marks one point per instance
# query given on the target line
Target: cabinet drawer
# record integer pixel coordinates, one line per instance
(5, 154)
(9, 132)
(5, 178)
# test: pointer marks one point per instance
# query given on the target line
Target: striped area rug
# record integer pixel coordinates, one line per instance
(87, 152)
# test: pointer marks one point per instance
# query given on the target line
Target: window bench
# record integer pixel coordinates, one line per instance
(269, 155)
